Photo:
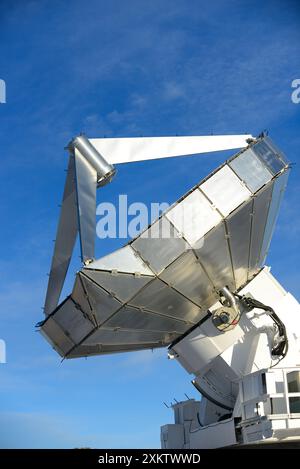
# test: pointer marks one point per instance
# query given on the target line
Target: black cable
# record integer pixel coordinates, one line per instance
(281, 349)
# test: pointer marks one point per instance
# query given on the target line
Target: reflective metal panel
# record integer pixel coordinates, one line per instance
(86, 177)
(117, 337)
(103, 304)
(277, 194)
(215, 258)
(260, 213)
(120, 285)
(276, 150)
(267, 155)
(122, 260)
(123, 346)
(54, 334)
(80, 297)
(251, 170)
(159, 245)
(130, 318)
(186, 275)
(225, 190)
(158, 297)
(239, 229)
(72, 320)
(194, 216)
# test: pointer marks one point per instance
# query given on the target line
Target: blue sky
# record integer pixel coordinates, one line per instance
(123, 68)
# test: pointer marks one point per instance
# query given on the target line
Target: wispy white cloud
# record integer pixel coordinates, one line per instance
(173, 91)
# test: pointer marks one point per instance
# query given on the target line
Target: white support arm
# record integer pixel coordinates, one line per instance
(129, 150)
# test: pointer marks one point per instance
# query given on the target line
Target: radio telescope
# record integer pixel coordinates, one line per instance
(194, 281)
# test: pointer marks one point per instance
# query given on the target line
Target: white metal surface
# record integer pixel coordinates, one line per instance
(225, 190)
(159, 245)
(194, 217)
(251, 170)
(122, 260)
(128, 150)
(65, 240)
(86, 182)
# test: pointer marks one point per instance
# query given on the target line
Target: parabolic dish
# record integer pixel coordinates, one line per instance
(154, 289)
